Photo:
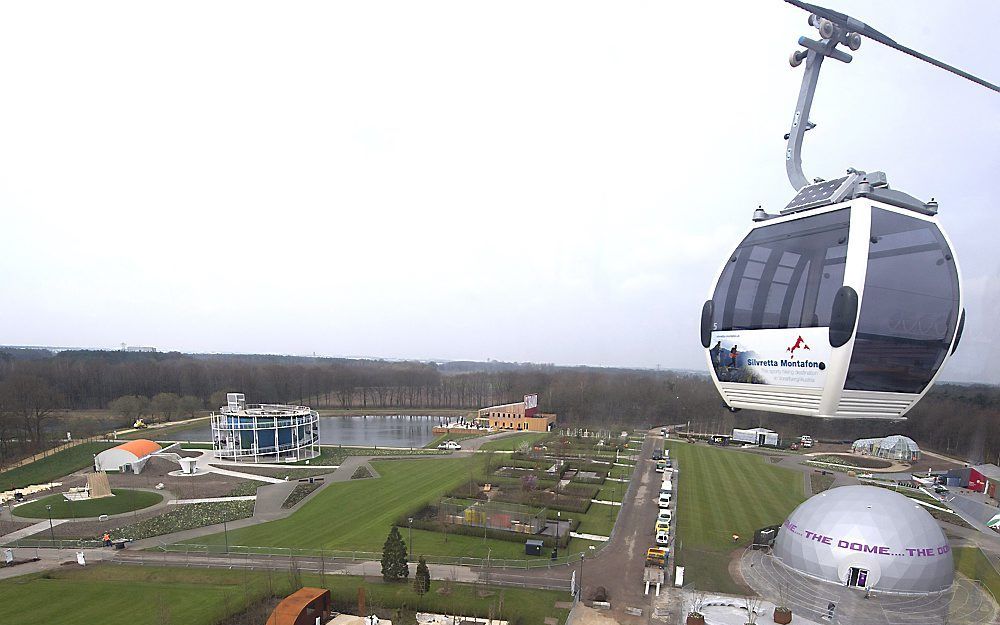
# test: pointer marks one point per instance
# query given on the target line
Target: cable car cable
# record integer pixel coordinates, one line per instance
(855, 26)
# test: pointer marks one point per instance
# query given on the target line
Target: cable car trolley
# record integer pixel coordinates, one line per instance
(848, 302)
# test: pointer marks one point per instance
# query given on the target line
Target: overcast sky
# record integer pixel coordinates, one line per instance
(548, 182)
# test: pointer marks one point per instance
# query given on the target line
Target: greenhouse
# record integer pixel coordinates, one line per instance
(510, 517)
(894, 447)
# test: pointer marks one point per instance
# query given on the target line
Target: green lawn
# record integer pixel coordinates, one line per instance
(52, 467)
(612, 491)
(512, 442)
(971, 562)
(133, 595)
(330, 455)
(357, 515)
(123, 501)
(599, 520)
(722, 492)
(129, 595)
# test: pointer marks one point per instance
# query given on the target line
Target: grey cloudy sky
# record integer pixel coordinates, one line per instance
(550, 182)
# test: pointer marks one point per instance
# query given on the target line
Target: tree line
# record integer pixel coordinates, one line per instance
(35, 385)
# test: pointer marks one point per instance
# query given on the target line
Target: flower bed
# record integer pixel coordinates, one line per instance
(185, 517)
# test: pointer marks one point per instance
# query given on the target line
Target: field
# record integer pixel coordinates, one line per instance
(53, 467)
(126, 596)
(512, 442)
(123, 501)
(722, 493)
(971, 562)
(330, 455)
(357, 515)
(131, 595)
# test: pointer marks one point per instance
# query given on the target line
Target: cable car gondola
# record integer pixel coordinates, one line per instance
(848, 302)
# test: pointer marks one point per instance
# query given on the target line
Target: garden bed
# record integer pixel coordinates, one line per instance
(185, 517)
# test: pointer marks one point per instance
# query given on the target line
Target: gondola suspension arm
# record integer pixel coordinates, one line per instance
(836, 28)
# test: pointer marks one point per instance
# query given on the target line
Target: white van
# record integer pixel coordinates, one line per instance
(667, 487)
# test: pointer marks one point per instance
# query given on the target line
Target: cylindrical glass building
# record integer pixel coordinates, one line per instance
(264, 432)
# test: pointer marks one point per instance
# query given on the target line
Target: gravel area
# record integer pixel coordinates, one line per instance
(155, 472)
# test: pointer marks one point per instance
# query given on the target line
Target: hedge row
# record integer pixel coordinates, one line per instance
(432, 525)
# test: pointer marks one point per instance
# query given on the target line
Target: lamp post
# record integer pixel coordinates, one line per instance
(409, 540)
(583, 556)
(52, 534)
(225, 531)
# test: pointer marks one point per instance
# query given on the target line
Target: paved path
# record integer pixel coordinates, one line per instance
(24, 532)
(212, 500)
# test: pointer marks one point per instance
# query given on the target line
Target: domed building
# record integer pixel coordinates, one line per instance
(866, 537)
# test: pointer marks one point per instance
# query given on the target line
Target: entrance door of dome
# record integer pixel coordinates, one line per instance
(858, 578)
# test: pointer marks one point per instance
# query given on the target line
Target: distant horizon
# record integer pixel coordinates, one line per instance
(705, 372)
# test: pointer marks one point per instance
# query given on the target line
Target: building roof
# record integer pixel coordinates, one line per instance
(286, 612)
(855, 519)
(513, 403)
(140, 447)
(990, 471)
(757, 430)
(890, 442)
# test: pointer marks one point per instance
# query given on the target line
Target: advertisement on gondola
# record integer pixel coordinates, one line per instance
(794, 357)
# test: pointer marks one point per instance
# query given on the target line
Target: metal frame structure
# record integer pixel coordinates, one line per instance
(265, 432)
(510, 517)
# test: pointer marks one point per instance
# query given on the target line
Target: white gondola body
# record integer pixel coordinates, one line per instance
(796, 369)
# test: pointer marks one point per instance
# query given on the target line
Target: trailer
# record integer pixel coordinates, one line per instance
(756, 436)
(656, 562)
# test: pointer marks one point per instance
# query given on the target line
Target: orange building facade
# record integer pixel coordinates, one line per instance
(518, 416)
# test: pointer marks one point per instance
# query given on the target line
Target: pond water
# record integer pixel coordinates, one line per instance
(382, 431)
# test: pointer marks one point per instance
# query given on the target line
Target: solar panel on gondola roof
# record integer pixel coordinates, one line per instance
(816, 194)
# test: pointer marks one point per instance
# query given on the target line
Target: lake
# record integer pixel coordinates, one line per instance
(382, 431)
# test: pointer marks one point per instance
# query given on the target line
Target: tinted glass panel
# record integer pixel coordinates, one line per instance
(909, 308)
(784, 275)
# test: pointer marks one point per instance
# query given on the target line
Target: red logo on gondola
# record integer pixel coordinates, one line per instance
(800, 343)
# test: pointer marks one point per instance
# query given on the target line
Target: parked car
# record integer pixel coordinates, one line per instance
(806, 441)
(662, 538)
(940, 489)
(664, 500)
(661, 526)
(450, 445)
(661, 467)
(664, 515)
(668, 464)
(663, 432)
(657, 454)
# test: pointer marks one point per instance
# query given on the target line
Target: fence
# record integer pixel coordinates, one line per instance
(338, 556)
(33, 543)
(367, 564)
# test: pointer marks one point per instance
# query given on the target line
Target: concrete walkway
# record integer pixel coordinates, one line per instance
(213, 500)
(24, 532)
(204, 462)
